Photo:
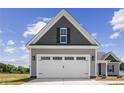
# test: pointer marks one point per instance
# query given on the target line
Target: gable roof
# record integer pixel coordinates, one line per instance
(100, 55)
(62, 13)
(112, 54)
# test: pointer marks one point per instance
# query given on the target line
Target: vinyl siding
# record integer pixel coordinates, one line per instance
(50, 38)
(62, 51)
(116, 69)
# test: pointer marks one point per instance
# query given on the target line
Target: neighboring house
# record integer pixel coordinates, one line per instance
(64, 49)
(108, 64)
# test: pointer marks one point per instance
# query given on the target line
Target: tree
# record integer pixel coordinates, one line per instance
(14, 70)
(8, 68)
(1, 67)
(21, 69)
(122, 66)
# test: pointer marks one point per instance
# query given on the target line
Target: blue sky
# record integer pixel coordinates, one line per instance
(18, 26)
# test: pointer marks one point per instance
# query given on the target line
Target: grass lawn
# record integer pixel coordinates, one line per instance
(13, 79)
(110, 78)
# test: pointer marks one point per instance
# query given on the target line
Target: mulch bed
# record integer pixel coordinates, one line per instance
(110, 78)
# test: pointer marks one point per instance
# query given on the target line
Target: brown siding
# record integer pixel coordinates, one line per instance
(76, 38)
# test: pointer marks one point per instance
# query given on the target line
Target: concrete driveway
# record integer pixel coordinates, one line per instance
(64, 82)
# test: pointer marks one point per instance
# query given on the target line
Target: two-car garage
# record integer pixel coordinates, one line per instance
(63, 66)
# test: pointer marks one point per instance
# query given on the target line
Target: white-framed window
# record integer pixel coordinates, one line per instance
(110, 68)
(63, 35)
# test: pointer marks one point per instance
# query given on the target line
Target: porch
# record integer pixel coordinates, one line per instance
(107, 68)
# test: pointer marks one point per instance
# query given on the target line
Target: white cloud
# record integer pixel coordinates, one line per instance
(0, 31)
(33, 29)
(122, 59)
(10, 42)
(114, 35)
(94, 35)
(25, 56)
(45, 19)
(23, 48)
(117, 23)
(10, 50)
(118, 20)
(20, 61)
(22, 41)
(108, 45)
(1, 42)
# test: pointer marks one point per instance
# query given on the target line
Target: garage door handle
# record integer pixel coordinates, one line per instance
(62, 66)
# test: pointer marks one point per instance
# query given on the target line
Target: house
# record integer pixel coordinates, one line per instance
(108, 64)
(64, 49)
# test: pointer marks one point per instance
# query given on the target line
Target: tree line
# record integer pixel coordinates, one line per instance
(122, 66)
(8, 68)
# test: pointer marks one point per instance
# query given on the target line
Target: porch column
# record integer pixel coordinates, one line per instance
(118, 68)
(96, 64)
(106, 74)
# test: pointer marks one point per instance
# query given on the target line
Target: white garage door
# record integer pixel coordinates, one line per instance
(63, 66)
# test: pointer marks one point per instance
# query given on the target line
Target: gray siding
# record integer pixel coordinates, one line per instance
(50, 38)
(103, 69)
(110, 57)
(62, 51)
(116, 69)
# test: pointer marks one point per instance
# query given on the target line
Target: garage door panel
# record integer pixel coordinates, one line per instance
(63, 66)
(48, 69)
(76, 69)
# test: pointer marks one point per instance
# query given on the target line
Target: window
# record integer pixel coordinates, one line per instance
(69, 58)
(110, 68)
(63, 35)
(45, 58)
(80, 58)
(57, 58)
(33, 58)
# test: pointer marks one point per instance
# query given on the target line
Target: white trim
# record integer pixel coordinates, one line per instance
(113, 62)
(37, 66)
(61, 47)
(54, 20)
(96, 63)
(118, 68)
(111, 53)
(30, 60)
(63, 35)
(106, 69)
(89, 66)
(106, 61)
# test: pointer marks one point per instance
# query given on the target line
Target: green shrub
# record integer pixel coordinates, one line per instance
(119, 76)
(7, 68)
(1, 69)
(122, 66)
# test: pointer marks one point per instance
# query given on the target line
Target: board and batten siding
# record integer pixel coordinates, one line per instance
(50, 38)
(34, 52)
